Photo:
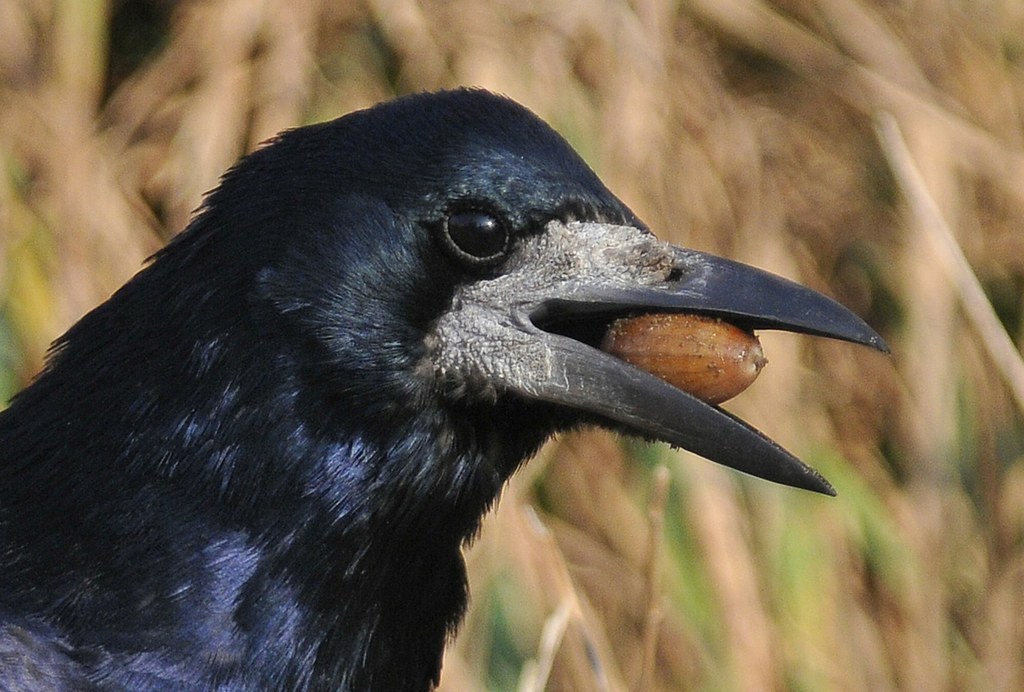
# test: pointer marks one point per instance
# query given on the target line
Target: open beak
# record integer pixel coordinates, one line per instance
(618, 271)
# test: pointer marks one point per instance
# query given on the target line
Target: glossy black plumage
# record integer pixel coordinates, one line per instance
(255, 465)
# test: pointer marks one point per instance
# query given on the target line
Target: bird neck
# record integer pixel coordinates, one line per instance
(268, 506)
(375, 565)
(295, 538)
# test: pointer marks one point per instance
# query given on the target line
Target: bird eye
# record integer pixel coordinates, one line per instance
(476, 237)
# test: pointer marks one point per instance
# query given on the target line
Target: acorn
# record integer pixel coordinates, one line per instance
(707, 357)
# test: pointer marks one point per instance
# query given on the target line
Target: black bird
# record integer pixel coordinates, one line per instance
(254, 466)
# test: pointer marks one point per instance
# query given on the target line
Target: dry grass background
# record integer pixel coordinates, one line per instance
(855, 145)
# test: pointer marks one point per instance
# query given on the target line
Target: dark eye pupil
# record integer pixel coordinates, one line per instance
(477, 234)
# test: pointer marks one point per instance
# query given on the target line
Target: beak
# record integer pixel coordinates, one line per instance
(616, 271)
(707, 284)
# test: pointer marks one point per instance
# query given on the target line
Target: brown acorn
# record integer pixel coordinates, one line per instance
(705, 356)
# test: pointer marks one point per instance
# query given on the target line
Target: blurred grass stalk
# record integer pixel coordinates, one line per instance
(945, 248)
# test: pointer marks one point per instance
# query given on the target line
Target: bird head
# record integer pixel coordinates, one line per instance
(450, 251)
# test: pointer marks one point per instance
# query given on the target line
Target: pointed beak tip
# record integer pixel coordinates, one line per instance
(826, 489)
(806, 478)
(880, 345)
(866, 336)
